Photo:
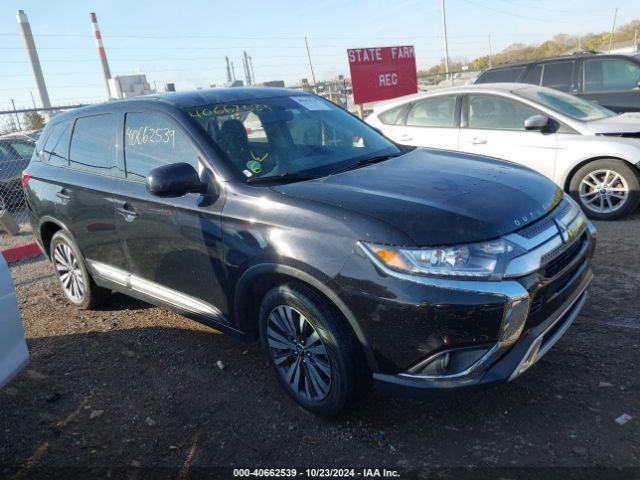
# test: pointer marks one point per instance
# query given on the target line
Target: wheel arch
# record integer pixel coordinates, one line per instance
(48, 227)
(259, 279)
(567, 180)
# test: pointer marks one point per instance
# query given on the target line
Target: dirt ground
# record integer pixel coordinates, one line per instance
(131, 386)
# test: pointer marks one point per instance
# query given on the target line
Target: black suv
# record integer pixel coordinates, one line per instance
(274, 214)
(611, 80)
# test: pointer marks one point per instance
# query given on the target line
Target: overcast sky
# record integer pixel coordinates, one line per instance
(185, 41)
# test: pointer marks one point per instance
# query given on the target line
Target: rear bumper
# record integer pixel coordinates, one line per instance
(522, 355)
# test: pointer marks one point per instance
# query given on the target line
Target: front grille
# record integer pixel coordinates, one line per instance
(561, 281)
(536, 304)
(556, 261)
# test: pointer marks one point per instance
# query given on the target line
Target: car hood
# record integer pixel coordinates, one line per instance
(624, 123)
(437, 197)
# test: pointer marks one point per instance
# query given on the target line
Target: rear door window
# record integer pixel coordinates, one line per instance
(502, 75)
(153, 139)
(610, 75)
(56, 148)
(433, 112)
(93, 144)
(558, 75)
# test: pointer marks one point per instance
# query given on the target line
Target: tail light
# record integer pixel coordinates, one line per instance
(26, 176)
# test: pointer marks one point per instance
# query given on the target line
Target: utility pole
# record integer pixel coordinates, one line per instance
(635, 39)
(313, 75)
(101, 53)
(613, 27)
(490, 52)
(446, 43)
(34, 60)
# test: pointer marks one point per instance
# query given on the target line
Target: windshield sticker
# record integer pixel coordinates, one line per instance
(229, 109)
(311, 103)
(254, 166)
(247, 173)
(257, 158)
(151, 136)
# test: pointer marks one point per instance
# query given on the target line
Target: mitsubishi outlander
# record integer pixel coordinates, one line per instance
(275, 215)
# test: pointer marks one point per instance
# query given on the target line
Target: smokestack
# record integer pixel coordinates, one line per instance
(233, 72)
(101, 53)
(245, 64)
(253, 75)
(27, 36)
(226, 59)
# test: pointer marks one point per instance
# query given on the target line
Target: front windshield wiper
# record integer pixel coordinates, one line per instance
(282, 178)
(367, 161)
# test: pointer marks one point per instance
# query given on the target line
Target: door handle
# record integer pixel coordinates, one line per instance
(406, 138)
(478, 141)
(127, 212)
(63, 194)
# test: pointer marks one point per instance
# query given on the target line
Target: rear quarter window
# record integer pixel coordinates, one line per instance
(93, 144)
(56, 148)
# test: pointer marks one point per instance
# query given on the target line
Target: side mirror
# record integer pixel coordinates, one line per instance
(537, 122)
(174, 180)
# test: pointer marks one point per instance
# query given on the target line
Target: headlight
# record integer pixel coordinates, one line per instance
(477, 260)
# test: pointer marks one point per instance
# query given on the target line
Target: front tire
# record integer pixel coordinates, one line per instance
(313, 352)
(606, 189)
(72, 273)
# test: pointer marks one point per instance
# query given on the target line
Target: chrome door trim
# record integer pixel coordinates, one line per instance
(154, 290)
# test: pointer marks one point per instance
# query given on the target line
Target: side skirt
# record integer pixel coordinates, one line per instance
(134, 286)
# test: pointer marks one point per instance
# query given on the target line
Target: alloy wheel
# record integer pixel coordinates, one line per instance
(69, 272)
(603, 191)
(298, 353)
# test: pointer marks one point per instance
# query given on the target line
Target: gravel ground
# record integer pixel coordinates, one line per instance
(134, 386)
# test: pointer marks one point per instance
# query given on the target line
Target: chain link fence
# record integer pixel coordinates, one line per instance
(19, 132)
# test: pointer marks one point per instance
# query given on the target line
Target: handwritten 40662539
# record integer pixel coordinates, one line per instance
(146, 135)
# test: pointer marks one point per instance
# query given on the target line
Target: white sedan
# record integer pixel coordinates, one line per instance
(591, 152)
(13, 348)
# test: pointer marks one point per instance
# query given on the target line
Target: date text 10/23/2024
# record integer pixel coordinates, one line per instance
(317, 472)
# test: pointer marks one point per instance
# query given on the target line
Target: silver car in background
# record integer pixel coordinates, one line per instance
(13, 348)
(588, 150)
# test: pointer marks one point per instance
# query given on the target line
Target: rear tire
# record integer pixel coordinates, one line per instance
(312, 350)
(73, 275)
(606, 189)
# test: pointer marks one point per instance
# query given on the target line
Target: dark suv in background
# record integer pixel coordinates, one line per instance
(611, 80)
(274, 214)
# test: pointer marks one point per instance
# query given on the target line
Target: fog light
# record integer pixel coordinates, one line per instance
(450, 362)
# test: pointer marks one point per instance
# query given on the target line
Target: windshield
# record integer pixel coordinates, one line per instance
(289, 135)
(569, 105)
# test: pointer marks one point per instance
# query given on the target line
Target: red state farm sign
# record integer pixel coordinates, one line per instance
(382, 73)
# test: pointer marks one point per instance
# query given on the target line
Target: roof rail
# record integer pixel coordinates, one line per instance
(586, 51)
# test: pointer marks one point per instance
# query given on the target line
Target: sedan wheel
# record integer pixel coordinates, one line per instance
(604, 191)
(298, 353)
(69, 272)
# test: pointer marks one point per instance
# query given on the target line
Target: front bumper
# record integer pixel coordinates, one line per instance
(522, 355)
(435, 334)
